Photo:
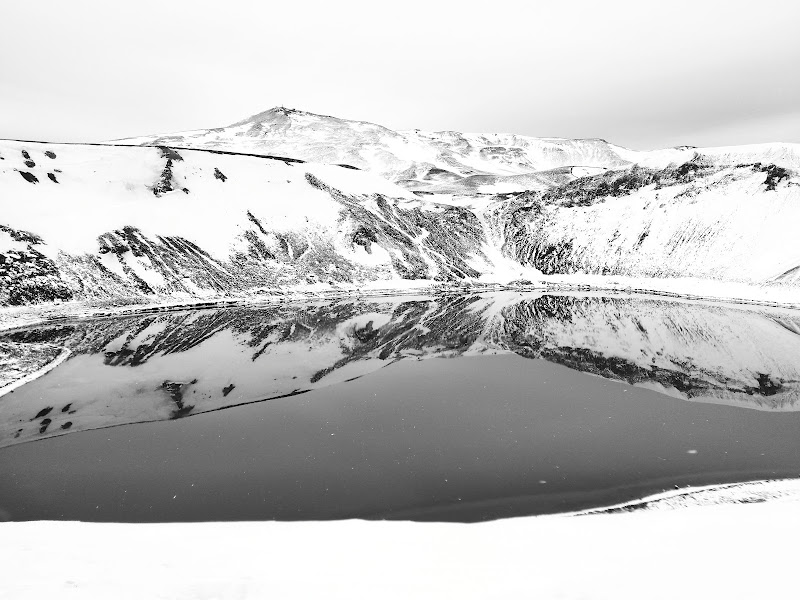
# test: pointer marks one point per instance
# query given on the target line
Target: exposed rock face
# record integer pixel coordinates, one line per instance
(26, 275)
(161, 366)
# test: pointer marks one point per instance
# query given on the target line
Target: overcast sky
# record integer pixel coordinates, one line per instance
(637, 73)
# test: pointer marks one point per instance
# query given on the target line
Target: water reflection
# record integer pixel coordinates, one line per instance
(177, 364)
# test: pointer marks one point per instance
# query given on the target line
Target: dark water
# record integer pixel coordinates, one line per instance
(523, 405)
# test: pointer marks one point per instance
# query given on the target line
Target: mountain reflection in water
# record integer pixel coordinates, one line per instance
(512, 425)
(176, 364)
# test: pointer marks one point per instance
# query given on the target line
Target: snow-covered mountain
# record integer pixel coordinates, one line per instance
(444, 161)
(157, 367)
(415, 159)
(275, 201)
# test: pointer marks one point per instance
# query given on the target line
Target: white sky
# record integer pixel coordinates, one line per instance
(639, 73)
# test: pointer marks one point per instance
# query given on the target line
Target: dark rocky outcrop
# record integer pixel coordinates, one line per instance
(28, 276)
(29, 177)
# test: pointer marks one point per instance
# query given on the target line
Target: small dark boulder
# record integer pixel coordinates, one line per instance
(29, 177)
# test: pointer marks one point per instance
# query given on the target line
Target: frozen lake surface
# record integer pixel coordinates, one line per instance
(529, 405)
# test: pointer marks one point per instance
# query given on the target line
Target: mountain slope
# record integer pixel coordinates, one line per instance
(100, 222)
(129, 223)
(698, 220)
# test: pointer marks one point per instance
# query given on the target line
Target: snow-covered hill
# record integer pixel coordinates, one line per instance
(103, 222)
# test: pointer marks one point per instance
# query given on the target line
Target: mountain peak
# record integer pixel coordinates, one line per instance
(276, 112)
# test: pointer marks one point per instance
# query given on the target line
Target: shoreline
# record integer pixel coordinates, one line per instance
(742, 492)
(735, 294)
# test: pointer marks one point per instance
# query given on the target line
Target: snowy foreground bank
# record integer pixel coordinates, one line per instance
(703, 551)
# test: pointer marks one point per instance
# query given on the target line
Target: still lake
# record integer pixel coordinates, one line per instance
(452, 408)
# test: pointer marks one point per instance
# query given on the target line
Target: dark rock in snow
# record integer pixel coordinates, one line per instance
(29, 177)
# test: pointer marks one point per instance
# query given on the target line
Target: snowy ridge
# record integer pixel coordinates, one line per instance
(447, 160)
